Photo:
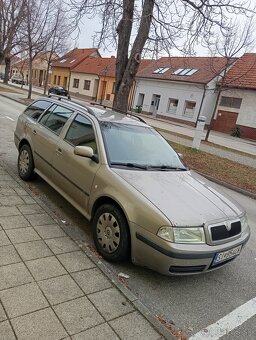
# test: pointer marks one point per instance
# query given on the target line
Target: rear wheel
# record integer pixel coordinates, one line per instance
(25, 163)
(111, 233)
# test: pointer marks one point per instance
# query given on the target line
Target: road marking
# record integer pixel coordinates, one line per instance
(9, 118)
(225, 325)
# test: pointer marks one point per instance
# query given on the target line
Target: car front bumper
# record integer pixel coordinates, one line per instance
(149, 250)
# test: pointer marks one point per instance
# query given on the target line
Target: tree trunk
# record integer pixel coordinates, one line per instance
(7, 69)
(126, 68)
(213, 115)
(30, 77)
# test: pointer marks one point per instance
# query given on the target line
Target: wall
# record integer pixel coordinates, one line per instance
(62, 72)
(102, 93)
(90, 94)
(247, 112)
(181, 91)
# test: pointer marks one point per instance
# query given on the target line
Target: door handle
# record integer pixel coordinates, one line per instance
(34, 132)
(59, 151)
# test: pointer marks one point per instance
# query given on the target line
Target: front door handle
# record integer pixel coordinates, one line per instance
(59, 151)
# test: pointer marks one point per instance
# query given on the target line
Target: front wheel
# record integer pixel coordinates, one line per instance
(111, 233)
(25, 163)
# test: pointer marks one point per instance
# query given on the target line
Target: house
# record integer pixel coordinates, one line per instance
(62, 68)
(237, 103)
(108, 79)
(85, 77)
(179, 88)
(39, 68)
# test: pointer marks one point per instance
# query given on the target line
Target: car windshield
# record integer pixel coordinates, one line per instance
(138, 147)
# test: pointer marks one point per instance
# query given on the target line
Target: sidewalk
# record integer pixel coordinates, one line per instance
(49, 287)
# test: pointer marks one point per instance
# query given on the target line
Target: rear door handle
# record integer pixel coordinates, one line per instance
(34, 132)
(59, 151)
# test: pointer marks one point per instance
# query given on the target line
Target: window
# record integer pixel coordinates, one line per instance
(87, 84)
(113, 88)
(185, 71)
(63, 61)
(161, 70)
(81, 133)
(36, 109)
(172, 105)
(58, 80)
(55, 118)
(72, 61)
(55, 79)
(231, 102)
(189, 108)
(107, 96)
(76, 83)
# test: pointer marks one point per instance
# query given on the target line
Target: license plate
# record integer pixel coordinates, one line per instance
(226, 255)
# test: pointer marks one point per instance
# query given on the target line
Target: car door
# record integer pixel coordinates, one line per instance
(74, 174)
(46, 137)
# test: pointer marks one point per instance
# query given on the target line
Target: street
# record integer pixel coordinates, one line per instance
(192, 303)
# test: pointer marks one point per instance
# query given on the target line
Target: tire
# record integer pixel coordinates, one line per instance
(111, 233)
(25, 163)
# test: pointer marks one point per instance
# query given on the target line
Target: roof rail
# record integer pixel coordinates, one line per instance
(135, 116)
(64, 98)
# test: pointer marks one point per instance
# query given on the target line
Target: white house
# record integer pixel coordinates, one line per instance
(237, 102)
(179, 88)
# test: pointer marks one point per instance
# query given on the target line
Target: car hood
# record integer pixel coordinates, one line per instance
(184, 197)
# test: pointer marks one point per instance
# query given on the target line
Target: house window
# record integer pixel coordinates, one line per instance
(172, 105)
(58, 80)
(231, 102)
(107, 96)
(161, 70)
(113, 88)
(189, 108)
(87, 84)
(185, 71)
(76, 83)
(55, 79)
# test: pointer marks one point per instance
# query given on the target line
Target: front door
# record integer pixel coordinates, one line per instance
(74, 174)
(156, 104)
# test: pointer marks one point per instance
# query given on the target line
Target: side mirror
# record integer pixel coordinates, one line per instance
(84, 151)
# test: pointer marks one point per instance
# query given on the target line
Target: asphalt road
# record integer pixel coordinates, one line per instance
(192, 303)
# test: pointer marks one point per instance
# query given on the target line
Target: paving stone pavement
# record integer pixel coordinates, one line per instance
(49, 288)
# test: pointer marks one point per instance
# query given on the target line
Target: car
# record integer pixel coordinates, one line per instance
(59, 90)
(124, 177)
(18, 78)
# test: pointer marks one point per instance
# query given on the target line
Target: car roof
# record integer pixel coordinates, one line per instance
(101, 114)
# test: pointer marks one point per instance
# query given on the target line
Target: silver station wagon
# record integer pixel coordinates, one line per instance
(123, 176)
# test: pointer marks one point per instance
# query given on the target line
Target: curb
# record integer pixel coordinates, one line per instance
(132, 298)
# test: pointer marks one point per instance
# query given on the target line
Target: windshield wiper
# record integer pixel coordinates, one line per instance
(166, 167)
(130, 165)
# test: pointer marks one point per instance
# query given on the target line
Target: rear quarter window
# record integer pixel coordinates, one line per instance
(37, 108)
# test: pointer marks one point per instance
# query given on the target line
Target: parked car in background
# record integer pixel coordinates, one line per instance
(59, 90)
(125, 178)
(18, 78)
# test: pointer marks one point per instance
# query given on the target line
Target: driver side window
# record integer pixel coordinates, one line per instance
(81, 132)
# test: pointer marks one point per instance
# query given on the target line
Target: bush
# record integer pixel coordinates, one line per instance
(236, 132)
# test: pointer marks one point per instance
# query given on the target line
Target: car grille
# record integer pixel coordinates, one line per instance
(220, 232)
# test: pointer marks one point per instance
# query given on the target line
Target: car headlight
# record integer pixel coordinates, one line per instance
(244, 223)
(193, 235)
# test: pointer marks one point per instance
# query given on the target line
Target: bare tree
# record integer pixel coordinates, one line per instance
(35, 32)
(11, 17)
(236, 39)
(154, 25)
(59, 37)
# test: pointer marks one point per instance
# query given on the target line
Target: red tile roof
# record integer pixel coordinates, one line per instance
(243, 73)
(206, 68)
(110, 71)
(74, 57)
(92, 65)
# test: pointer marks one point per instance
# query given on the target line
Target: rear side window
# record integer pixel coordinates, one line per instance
(81, 133)
(37, 108)
(55, 118)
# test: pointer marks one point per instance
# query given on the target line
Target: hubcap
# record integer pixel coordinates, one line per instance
(24, 161)
(108, 232)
